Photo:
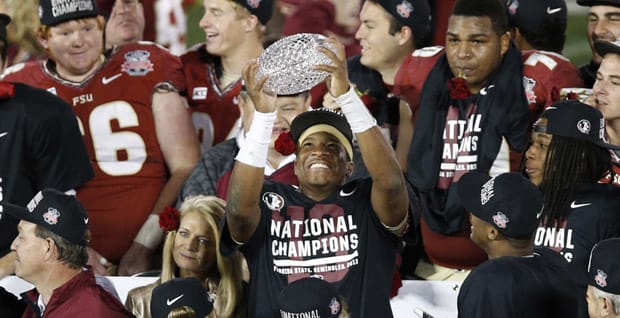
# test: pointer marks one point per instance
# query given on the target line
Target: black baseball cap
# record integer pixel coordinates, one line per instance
(589, 3)
(509, 202)
(262, 9)
(574, 119)
(325, 120)
(180, 292)
(415, 14)
(4, 21)
(604, 266)
(602, 47)
(52, 12)
(529, 15)
(309, 297)
(60, 213)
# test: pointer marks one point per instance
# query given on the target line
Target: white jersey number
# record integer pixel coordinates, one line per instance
(536, 58)
(204, 128)
(107, 143)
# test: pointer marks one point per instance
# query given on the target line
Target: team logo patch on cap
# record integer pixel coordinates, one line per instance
(500, 219)
(51, 216)
(404, 9)
(274, 201)
(584, 126)
(137, 63)
(334, 306)
(486, 193)
(601, 278)
(254, 3)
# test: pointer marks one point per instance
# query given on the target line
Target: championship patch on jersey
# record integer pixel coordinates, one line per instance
(137, 63)
(274, 201)
(200, 93)
(528, 86)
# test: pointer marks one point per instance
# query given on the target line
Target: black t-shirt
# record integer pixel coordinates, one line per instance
(40, 147)
(339, 239)
(516, 287)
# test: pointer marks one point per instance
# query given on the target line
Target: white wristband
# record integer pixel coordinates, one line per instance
(150, 233)
(254, 150)
(355, 111)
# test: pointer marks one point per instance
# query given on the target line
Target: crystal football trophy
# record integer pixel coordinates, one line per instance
(289, 63)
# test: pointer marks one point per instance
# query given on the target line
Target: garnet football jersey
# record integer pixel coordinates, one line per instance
(544, 74)
(214, 108)
(113, 107)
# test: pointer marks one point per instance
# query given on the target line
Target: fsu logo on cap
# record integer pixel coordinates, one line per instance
(584, 126)
(500, 219)
(404, 9)
(254, 3)
(51, 216)
(600, 278)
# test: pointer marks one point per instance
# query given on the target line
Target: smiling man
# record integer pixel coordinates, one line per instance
(603, 24)
(134, 123)
(234, 32)
(346, 233)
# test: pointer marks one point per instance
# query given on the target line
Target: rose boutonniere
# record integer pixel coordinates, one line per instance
(285, 144)
(169, 219)
(7, 90)
(459, 88)
(368, 100)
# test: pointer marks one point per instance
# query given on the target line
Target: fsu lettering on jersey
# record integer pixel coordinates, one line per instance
(214, 108)
(113, 109)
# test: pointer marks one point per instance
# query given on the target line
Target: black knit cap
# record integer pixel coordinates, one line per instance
(52, 12)
(589, 3)
(58, 212)
(262, 9)
(4, 21)
(415, 14)
(309, 297)
(529, 15)
(509, 202)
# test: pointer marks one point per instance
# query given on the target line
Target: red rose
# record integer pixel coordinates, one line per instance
(285, 144)
(169, 219)
(7, 90)
(458, 88)
(572, 95)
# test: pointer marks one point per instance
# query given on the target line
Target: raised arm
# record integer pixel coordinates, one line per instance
(181, 151)
(389, 193)
(246, 180)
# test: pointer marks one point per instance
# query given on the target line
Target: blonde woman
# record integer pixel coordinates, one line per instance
(23, 43)
(192, 250)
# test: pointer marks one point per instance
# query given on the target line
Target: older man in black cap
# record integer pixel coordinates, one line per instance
(51, 255)
(518, 280)
(603, 24)
(603, 279)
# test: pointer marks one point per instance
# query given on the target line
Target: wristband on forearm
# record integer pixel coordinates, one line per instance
(355, 111)
(150, 234)
(254, 150)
